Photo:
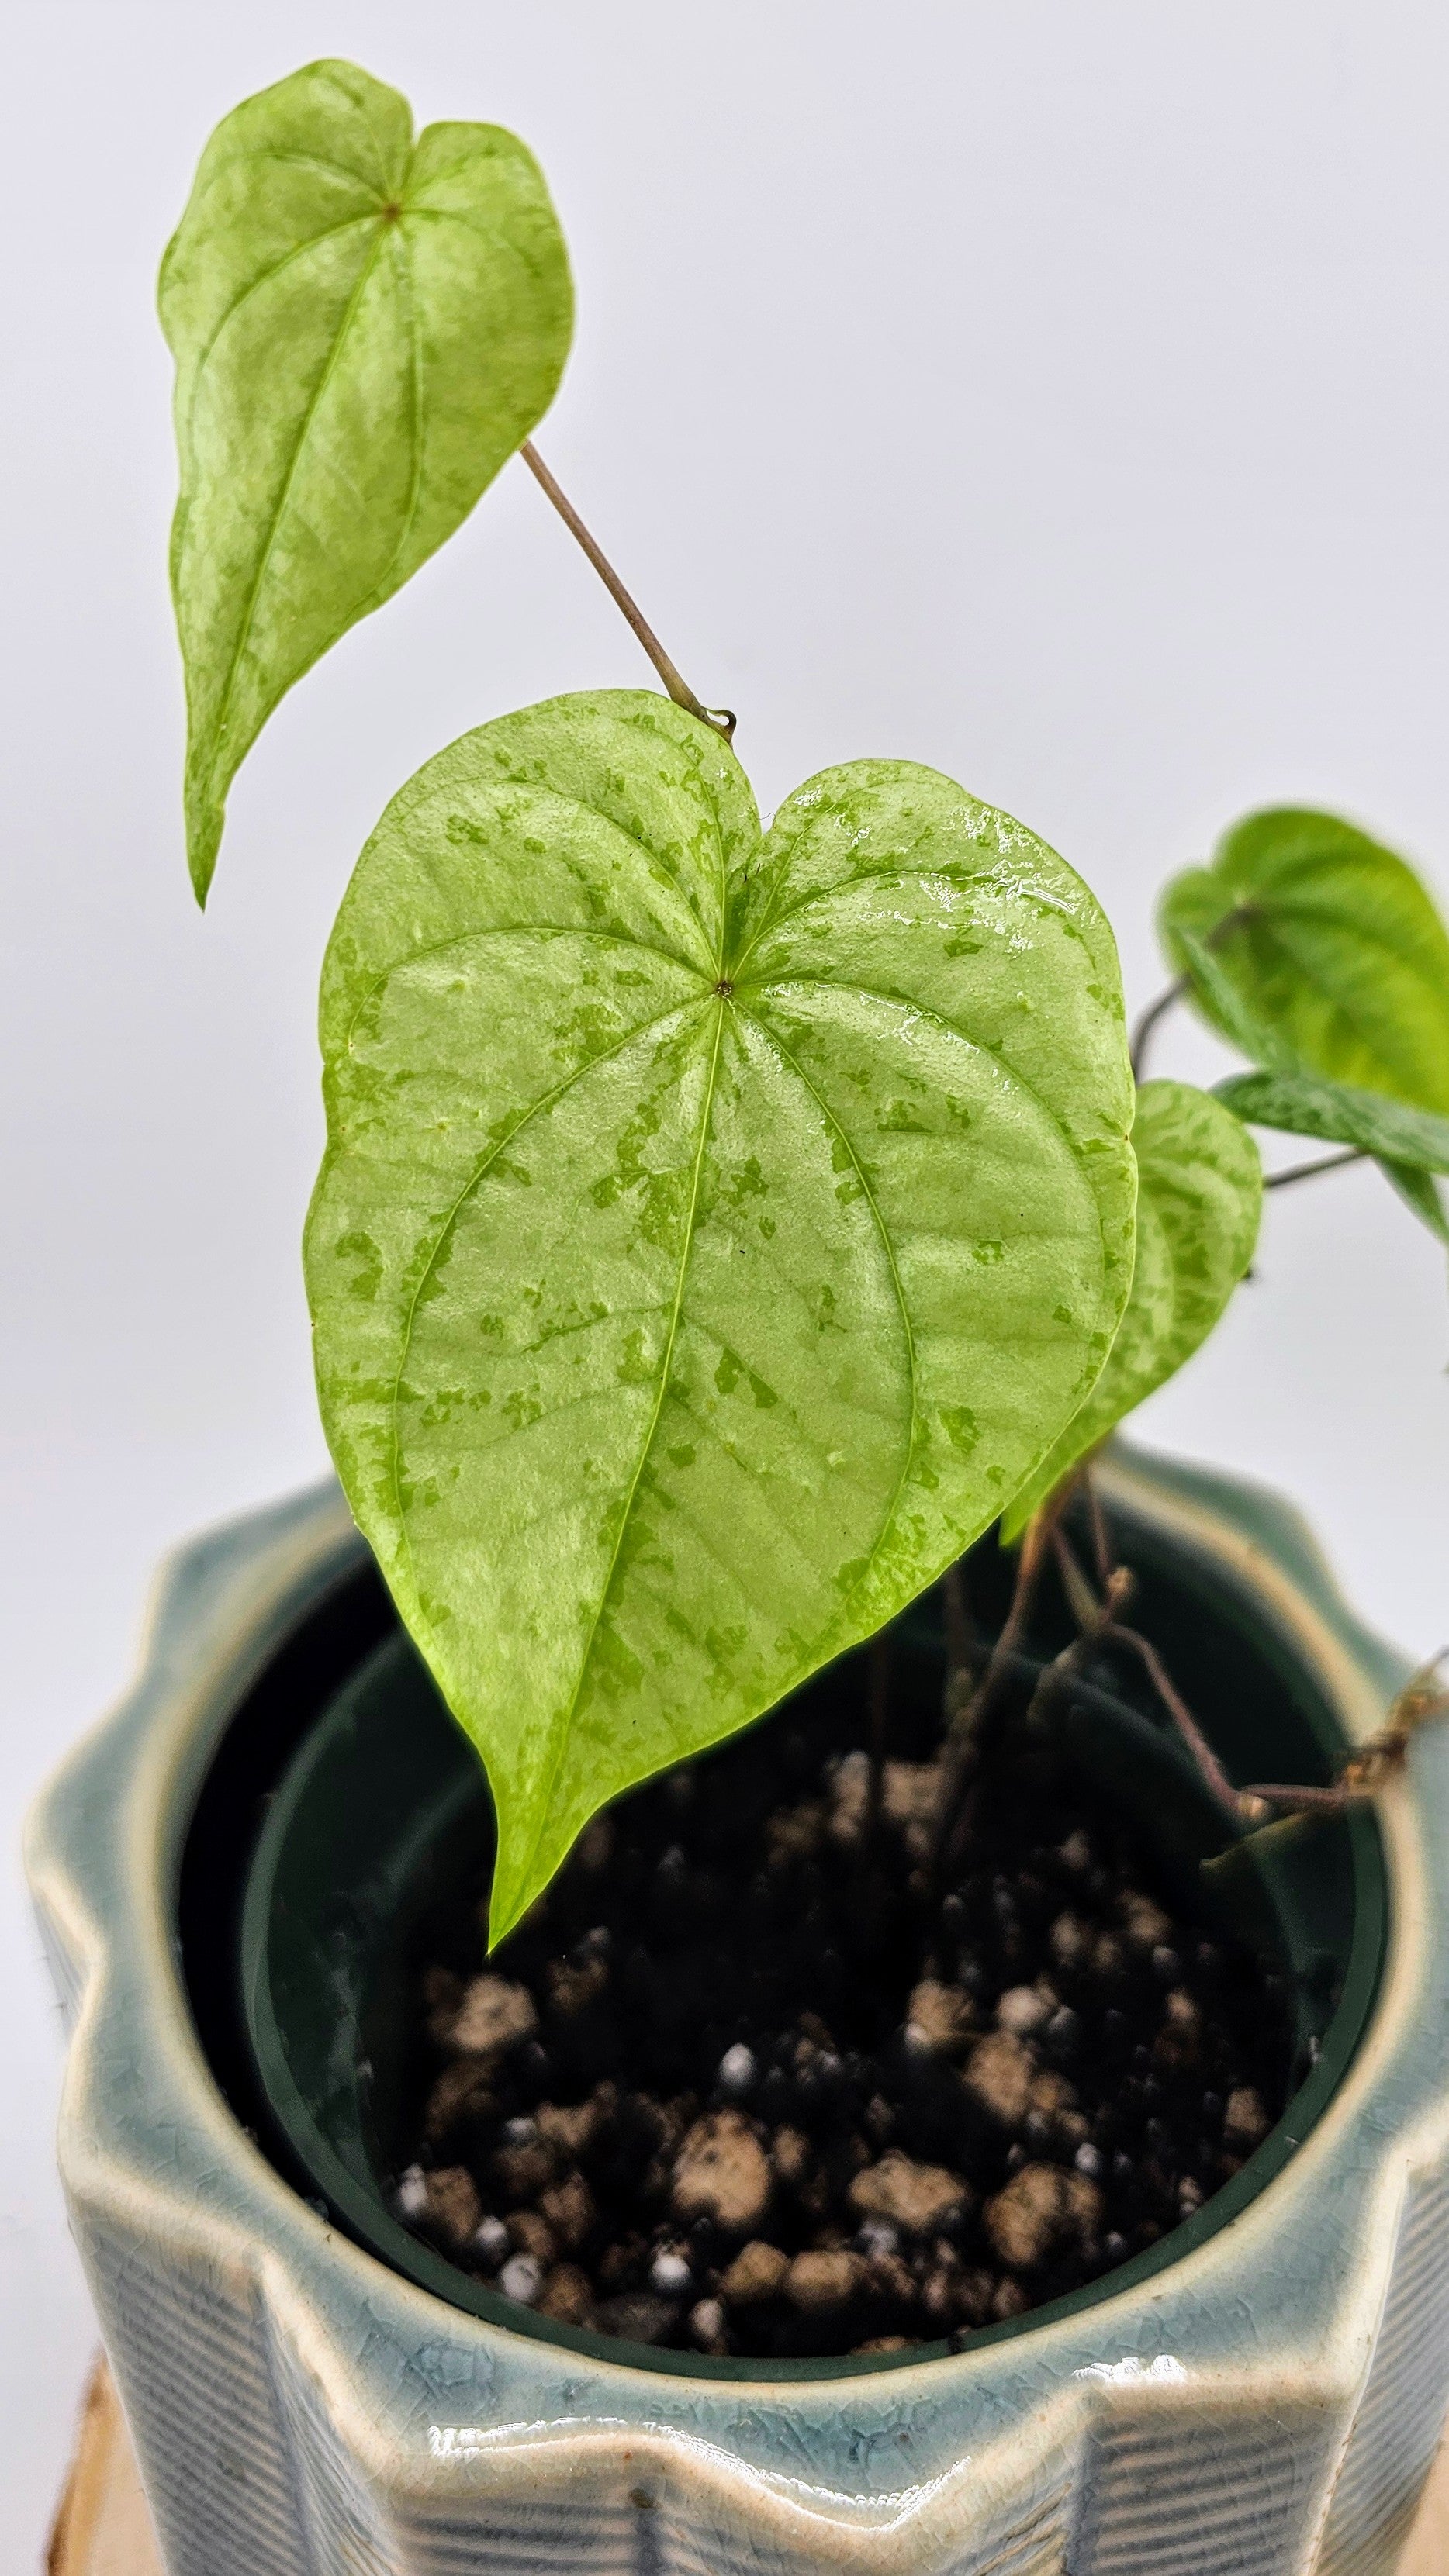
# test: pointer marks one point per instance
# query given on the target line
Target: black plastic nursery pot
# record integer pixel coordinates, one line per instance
(345, 1808)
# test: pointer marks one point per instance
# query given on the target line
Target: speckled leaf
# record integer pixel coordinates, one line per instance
(1199, 1198)
(714, 1227)
(1408, 1144)
(1331, 943)
(364, 329)
(1304, 1104)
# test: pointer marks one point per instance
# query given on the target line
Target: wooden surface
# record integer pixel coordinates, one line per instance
(104, 2529)
(1428, 2550)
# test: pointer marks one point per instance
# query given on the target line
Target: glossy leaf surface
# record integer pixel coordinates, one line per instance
(365, 327)
(715, 1226)
(1199, 1199)
(1329, 941)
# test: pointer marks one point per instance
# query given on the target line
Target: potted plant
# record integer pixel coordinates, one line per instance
(920, 2041)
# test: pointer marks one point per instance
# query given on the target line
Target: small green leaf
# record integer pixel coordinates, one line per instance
(365, 328)
(1308, 1104)
(1328, 941)
(714, 1229)
(1199, 1198)
(1305, 1104)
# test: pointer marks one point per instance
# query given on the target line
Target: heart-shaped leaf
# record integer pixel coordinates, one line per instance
(1199, 1199)
(1330, 942)
(714, 1229)
(364, 328)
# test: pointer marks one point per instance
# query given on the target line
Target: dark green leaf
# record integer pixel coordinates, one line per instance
(365, 328)
(1199, 1198)
(715, 1227)
(1327, 941)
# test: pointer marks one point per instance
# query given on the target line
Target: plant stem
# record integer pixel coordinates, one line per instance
(958, 1647)
(1240, 912)
(1421, 1699)
(1155, 1011)
(1244, 1806)
(880, 1707)
(964, 1728)
(1097, 1522)
(720, 719)
(1305, 1171)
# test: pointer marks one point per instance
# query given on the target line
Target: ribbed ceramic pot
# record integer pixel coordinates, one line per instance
(1269, 2400)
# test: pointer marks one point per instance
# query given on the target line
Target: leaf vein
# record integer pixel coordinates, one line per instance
(283, 498)
(545, 1100)
(773, 1039)
(512, 930)
(561, 1732)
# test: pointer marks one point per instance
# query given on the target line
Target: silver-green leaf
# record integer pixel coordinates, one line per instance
(365, 328)
(714, 1230)
(1328, 941)
(1199, 1199)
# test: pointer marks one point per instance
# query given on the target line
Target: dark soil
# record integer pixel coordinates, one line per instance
(747, 2082)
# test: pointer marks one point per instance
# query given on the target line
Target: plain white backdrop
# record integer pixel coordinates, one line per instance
(1056, 394)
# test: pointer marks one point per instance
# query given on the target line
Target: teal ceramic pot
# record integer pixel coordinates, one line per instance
(306, 2393)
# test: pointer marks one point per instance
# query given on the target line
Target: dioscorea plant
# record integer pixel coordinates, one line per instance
(720, 1227)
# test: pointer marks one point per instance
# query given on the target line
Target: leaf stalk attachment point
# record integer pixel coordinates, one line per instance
(722, 720)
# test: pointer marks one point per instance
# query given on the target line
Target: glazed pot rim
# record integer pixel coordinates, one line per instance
(1280, 2309)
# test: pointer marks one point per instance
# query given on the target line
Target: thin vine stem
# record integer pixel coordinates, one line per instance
(1099, 1623)
(1306, 1171)
(1155, 1011)
(968, 1705)
(720, 719)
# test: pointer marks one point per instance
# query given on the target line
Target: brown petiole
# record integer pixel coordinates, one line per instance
(720, 719)
(1362, 1774)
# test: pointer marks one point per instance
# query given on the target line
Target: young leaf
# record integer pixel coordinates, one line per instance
(714, 1229)
(364, 329)
(1306, 1105)
(1287, 1095)
(1199, 1198)
(1329, 941)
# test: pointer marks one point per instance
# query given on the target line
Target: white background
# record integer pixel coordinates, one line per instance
(1053, 394)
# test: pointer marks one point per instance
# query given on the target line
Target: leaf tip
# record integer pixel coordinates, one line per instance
(203, 840)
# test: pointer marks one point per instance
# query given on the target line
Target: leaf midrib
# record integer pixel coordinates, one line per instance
(774, 1039)
(303, 433)
(564, 1726)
